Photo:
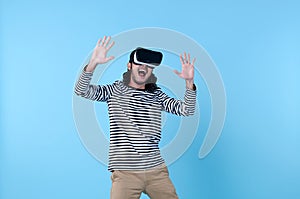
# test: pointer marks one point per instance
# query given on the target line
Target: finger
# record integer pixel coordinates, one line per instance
(110, 58)
(98, 43)
(106, 41)
(193, 62)
(110, 45)
(103, 40)
(184, 56)
(181, 59)
(189, 58)
(177, 72)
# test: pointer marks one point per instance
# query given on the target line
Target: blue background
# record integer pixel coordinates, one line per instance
(255, 44)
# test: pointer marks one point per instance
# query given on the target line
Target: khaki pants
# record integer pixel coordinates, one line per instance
(130, 184)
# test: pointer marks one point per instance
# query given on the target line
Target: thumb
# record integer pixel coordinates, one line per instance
(177, 72)
(110, 58)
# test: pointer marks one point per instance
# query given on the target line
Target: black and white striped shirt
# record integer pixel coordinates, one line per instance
(135, 120)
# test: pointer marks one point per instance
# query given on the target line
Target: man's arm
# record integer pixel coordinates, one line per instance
(187, 106)
(184, 107)
(83, 87)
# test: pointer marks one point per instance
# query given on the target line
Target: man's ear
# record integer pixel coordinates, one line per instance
(129, 65)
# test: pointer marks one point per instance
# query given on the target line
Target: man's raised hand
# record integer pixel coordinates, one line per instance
(99, 55)
(187, 71)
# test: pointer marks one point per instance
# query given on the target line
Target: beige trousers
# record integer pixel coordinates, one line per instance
(130, 184)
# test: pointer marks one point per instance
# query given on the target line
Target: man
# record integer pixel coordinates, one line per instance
(135, 105)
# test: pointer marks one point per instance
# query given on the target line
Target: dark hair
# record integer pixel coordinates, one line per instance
(150, 84)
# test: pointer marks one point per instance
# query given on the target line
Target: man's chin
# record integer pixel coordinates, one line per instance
(141, 82)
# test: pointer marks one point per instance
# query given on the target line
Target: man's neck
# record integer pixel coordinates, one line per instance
(136, 86)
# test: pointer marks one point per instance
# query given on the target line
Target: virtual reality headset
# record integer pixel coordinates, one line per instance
(142, 56)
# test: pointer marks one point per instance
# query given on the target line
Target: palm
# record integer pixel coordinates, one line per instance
(187, 72)
(100, 52)
(187, 67)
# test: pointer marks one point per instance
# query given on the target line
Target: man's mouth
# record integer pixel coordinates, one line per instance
(142, 72)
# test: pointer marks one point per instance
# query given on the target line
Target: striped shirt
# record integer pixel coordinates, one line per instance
(135, 120)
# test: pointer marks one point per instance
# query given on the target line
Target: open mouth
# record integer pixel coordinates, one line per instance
(142, 72)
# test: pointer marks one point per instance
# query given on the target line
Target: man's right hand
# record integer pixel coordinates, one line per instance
(99, 55)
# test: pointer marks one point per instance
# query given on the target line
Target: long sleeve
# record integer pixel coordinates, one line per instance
(84, 89)
(179, 107)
